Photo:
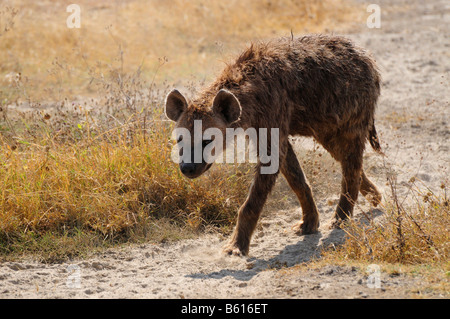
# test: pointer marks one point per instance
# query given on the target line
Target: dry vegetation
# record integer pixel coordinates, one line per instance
(410, 237)
(409, 233)
(91, 168)
(91, 173)
(119, 36)
(83, 178)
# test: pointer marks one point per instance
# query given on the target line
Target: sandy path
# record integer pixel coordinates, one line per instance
(412, 49)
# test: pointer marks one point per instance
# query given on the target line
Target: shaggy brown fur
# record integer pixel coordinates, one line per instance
(319, 86)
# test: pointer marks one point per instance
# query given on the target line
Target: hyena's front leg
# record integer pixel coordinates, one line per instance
(249, 213)
(293, 172)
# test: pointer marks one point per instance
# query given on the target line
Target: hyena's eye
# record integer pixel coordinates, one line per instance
(206, 142)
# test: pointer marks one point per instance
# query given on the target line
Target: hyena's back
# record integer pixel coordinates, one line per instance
(316, 83)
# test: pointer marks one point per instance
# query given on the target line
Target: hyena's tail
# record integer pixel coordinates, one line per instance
(374, 141)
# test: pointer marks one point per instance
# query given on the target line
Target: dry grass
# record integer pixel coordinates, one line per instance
(410, 237)
(103, 178)
(416, 232)
(194, 36)
(408, 234)
(79, 174)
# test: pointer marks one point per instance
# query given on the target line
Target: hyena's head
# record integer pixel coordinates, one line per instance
(198, 124)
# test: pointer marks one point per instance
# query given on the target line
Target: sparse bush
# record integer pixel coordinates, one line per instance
(104, 174)
(413, 233)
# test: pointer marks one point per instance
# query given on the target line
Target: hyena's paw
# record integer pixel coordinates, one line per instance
(374, 198)
(371, 193)
(233, 249)
(338, 223)
(306, 227)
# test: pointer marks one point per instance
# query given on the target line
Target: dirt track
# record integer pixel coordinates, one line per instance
(412, 49)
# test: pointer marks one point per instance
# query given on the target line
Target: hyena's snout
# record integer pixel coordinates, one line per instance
(193, 170)
(189, 169)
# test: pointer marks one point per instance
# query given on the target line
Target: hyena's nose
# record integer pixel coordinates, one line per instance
(188, 169)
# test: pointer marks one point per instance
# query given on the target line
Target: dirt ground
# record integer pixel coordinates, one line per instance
(412, 50)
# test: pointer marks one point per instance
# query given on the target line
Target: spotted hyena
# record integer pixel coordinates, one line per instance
(319, 86)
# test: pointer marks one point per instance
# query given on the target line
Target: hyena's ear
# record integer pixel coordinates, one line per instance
(227, 105)
(175, 105)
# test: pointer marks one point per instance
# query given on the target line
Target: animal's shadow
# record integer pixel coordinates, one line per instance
(304, 250)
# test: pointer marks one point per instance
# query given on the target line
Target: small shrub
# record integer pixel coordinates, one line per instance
(413, 234)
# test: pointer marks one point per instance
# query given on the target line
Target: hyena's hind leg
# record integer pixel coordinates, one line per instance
(369, 190)
(348, 151)
(293, 173)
